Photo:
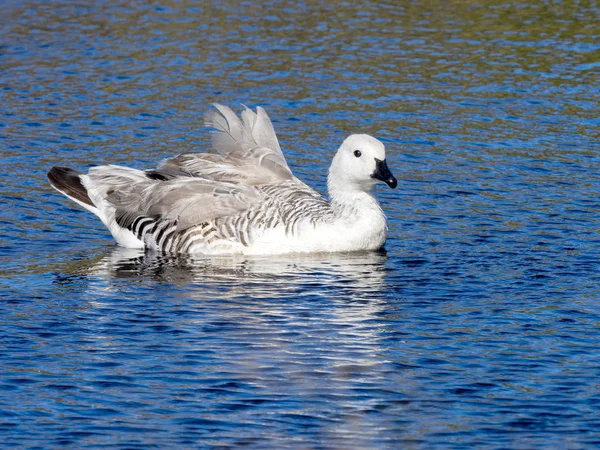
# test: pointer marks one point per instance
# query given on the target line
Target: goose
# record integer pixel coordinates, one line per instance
(240, 197)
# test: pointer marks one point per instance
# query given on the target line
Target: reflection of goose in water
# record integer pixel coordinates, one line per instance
(275, 276)
(290, 331)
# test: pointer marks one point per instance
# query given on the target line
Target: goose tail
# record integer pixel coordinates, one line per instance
(68, 182)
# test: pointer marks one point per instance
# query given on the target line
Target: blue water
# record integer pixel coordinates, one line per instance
(480, 326)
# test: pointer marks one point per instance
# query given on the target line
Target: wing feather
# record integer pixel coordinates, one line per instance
(218, 168)
(247, 139)
(187, 200)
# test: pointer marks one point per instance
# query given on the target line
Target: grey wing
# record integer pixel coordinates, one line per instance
(187, 200)
(245, 151)
(216, 167)
(250, 138)
(158, 209)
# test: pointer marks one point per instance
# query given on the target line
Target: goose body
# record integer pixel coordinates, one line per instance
(240, 198)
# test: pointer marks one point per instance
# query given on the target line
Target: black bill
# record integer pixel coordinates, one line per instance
(382, 172)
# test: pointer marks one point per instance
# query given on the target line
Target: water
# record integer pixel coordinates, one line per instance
(479, 328)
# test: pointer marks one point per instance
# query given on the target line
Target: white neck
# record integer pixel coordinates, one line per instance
(349, 198)
(361, 223)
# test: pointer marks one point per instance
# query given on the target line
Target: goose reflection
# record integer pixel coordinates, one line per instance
(359, 275)
(294, 330)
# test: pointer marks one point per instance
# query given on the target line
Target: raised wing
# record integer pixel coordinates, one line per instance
(248, 142)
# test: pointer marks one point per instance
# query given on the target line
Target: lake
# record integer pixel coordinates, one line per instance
(478, 327)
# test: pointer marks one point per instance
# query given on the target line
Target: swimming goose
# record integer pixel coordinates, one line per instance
(240, 198)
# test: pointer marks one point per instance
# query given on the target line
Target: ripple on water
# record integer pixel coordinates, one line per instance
(477, 328)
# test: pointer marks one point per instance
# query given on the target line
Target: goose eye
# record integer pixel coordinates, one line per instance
(357, 153)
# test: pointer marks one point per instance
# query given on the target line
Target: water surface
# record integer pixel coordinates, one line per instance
(478, 328)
